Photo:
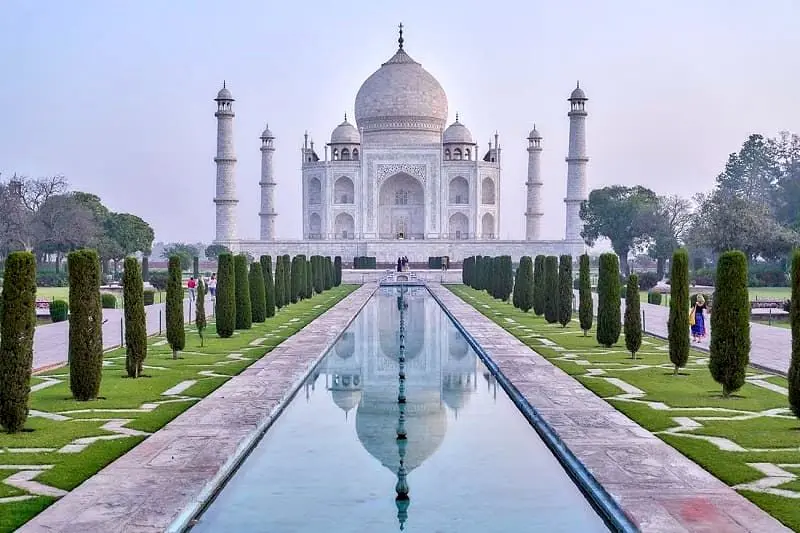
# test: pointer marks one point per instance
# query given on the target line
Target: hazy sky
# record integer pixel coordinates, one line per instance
(118, 96)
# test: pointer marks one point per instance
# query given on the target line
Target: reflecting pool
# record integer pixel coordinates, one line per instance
(347, 456)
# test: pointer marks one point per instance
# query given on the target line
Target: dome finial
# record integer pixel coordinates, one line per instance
(223, 83)
(456, 116)
(345, 117)
(400, 40)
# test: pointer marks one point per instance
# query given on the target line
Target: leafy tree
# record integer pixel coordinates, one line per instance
(279, 277)
(257, 297)
(185, 252)
(678, 323)
(337, 265)
(608, 305)
(752, 174)
(212, 251)
(633, 317)
(551, 289)
(565, 290)
(200, 311)
(176, 335)
(525, 283)
(244, 312)
(730, 323)
(672, 221)
(16, 339)
(135, 318)
(85, 325)
(226, 296)
(538, 286)
(624, 215)
(585, 301)
(269, 286)
(794, 314)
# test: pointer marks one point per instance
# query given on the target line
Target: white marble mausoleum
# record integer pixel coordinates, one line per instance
(399, 181)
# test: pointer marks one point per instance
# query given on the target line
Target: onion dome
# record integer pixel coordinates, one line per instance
(578, 94)
(345, 133)
(457, 133)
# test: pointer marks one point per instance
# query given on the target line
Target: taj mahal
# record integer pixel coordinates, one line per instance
(398, 182)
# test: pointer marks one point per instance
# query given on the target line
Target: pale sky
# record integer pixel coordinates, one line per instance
(118, 96)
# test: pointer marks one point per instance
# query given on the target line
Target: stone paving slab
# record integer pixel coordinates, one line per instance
(146, 489)
(659, 488)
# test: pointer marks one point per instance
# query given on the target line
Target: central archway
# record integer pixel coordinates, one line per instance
(401, 208)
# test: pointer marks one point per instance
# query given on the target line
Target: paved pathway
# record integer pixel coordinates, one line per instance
(168, 476)
(50, 341)
(659, 488)
(770, 346)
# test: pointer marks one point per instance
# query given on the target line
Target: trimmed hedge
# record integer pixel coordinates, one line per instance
(730, 323)
(135, 318)
(365, 263)
(269, 286)
(466, 270)
(59, 311)
(565, 290)
(158, 280)
(176, 335)
(678, 322)
(538, 285)
(244, 311)
(337, 270)
(633, 317)
(794, 317)
(226, 296)
(16, 339)
(149, 297)
(551, 289)
(108, 300)
(585, 301)
(654, 297)
(257, 297)
(609, 322)
(85, 325)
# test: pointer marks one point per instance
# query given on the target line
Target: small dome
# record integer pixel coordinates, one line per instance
(345, 133)
(224, 94)
(578, 94)
(457, 133)
(346, 399)
(267, 134)
(534, 134)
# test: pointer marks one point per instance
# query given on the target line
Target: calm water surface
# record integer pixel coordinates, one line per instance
(332, 461)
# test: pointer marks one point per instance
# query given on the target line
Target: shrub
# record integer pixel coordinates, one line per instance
(564, 290)
(145, 269)
(16, 339)
(730, 323)
(794, 317)
(149, 297)
(158, 280)
(176, 335)
(85, 325)
(654, 297)
(200, 311)
(244, 310)
(135, 318)
(585, 300)
(337, 268)
(269, 286)
(771, 274)
(633, 317)
(551, 289)
(257, 298)
(609, 322)
(59, 310)
(196, 267)
(538, 285)
(226, 296)
(648, 280)
(364, 263)
(108, 300)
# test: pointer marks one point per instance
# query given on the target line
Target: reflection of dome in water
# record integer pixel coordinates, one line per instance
(376, 426)
(345, 347)
(346, 399)
(389, 327)
(456, 390)
(458, 345)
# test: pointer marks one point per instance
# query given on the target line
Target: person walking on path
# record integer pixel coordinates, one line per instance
(192, 286)
(697, 318)
(212, 285)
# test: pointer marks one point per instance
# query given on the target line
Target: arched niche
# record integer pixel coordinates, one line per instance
(344, 226)
(487, 191)
(344, 191)
(458, 191)
(314, 191)
(401, 207)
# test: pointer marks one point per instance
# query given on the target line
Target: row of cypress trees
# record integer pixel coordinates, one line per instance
(495, 275)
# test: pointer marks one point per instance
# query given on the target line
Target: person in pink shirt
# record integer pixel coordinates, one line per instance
(192, 286)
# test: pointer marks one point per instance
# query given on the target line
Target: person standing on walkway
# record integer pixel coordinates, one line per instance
(212, 285)
(697, 319)
(192, 286)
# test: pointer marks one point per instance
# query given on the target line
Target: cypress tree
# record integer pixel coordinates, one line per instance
(633, 317)
(794, 317)
(176, 335)
(565, 290)
(329, 274)
(17, 326)
(608, 304)
(479, 266)
(525, 280)
(294, 279)
(465, 271)
(508, 276)
(269, 286)
(135, 318)
(244, 310)
(279, 282)
(257, 298)
(495, 281)
(730, 323)
(678, 322)
(196, 267)
(585, 301)
(85, 325)
(551, 289)
(200, 311)
(337, 266)
(145, 269)
(309, 285)
(515, 294)
(538, 285)
(318, 274)
(226, 295)
(287, 279)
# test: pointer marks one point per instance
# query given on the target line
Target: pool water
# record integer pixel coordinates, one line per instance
(332, 462)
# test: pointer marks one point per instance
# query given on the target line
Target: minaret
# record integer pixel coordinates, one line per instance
(267, 184)
(226, 163)
(533, 212)
(576, 164)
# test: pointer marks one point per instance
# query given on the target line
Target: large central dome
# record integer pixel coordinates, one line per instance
(401, 95)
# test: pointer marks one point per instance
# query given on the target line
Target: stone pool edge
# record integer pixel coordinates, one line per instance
(656, 486)
(161, 484)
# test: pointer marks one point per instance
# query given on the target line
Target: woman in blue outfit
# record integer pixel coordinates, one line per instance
(699, 323)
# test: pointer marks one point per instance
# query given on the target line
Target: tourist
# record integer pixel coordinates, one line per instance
(212, 285)
(399, 264)
(192, 286)
(697, 319)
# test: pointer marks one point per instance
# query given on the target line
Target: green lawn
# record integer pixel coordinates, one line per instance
(756, 293)
(62, 293)
(86, 419)
(683, 410)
